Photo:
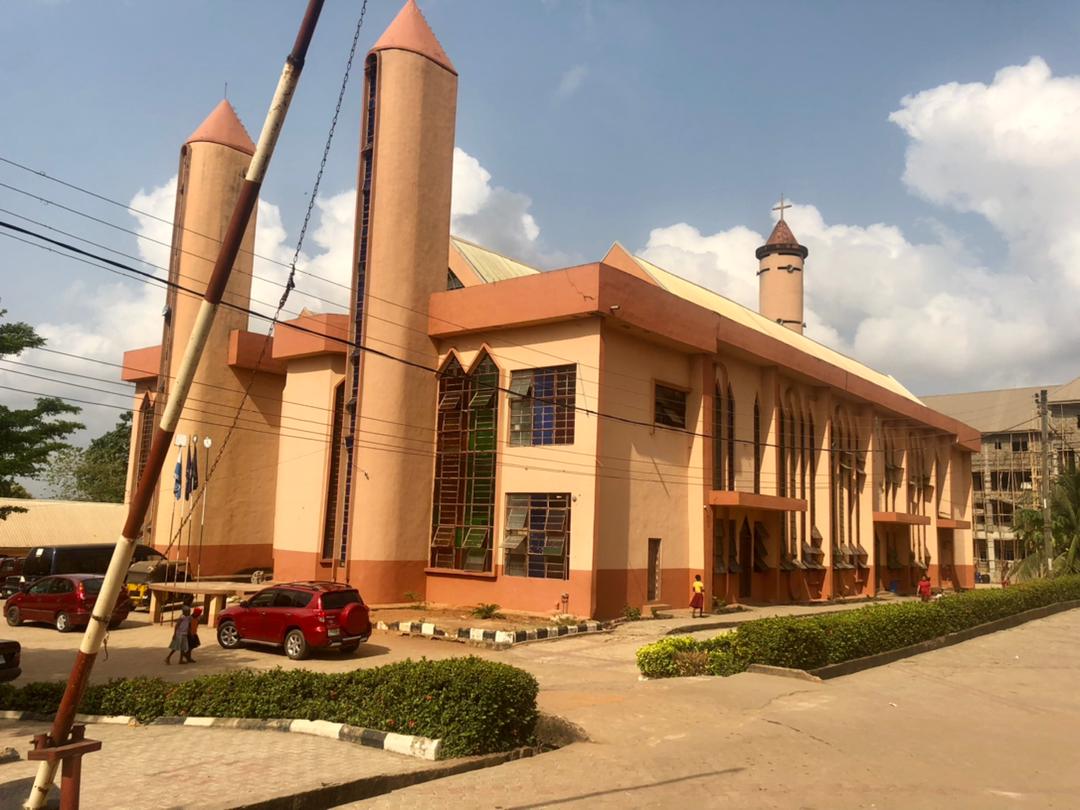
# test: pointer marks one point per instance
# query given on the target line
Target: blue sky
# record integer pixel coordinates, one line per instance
(669, 126)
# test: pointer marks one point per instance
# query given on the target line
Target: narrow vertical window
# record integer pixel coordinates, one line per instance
(333, 471)
(719, 449)
(757, 447)
(146, 436)
(730, 437)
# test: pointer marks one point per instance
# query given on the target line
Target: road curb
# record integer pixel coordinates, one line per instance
(496, 639)
(406, 744)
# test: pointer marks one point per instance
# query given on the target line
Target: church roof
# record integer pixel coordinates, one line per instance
(222, 126)
(736, 312)
(409, 31)
(488, 265)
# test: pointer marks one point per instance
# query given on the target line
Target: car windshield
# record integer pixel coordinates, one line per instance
(92, 586)
(335, 600)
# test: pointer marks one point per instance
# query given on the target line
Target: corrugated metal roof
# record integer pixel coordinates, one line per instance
(489, 265)
(1069, 392)
(57, 523)
(1007, 409)
(747, 317)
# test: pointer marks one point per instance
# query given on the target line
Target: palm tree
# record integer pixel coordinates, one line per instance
(1065, 526)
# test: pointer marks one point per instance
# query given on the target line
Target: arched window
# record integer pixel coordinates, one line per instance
(463, 507)
(730, 413)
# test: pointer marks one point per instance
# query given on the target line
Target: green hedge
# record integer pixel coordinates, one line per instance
(809, 642)
(474, 706)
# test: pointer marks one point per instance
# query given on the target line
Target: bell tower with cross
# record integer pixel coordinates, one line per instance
(780, 275)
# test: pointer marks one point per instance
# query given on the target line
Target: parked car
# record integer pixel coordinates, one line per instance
(88, 558)
(153, 571)
(10, 655)
(63, 601)
(10, 566)
(300, 617)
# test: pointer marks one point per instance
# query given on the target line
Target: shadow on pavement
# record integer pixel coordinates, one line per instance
(578, 797)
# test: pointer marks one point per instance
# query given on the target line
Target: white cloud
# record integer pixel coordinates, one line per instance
(930, 312)
(571, 81)
(495, 217)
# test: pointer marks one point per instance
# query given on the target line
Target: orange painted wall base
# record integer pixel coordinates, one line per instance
(222, 560)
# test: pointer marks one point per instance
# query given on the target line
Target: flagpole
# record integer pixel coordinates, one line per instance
(202, 520)
(159, 448)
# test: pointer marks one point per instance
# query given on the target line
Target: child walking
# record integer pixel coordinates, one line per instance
(697, 600)
(181, 641)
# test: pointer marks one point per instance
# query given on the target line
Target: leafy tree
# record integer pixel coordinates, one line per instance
(1064, 527)
(97, 473)
(28, 436)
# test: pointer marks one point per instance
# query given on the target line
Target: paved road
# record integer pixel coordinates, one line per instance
(991, 723)
(986, 724)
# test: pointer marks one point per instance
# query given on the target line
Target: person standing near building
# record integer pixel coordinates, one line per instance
(924, 588)
(697, 599)
(181, 642)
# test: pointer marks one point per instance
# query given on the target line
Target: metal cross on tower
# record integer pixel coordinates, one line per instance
(781, 207)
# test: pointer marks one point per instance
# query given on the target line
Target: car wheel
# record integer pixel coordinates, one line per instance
(228, 636)
(14, 617)
(296, 646)
(350, 647)
(63, 622)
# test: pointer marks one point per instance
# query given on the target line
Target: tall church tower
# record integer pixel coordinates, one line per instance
(400, 259)
(238, 528)
(780, 276)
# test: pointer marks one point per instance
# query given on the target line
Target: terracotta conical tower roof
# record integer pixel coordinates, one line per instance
(781, 235)
(410, 32)
(782, 240)
(222, 126)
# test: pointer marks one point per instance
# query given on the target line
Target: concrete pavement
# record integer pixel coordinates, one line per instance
(990, 723)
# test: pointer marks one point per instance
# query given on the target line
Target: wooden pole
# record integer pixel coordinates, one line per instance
(163, 436)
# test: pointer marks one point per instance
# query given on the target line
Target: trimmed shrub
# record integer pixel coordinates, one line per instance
(474, 706)
(809, 642)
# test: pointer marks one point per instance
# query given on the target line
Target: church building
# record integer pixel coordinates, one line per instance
(577, 440)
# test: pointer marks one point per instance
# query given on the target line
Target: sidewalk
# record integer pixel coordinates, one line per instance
(170, 767)
(682, 623)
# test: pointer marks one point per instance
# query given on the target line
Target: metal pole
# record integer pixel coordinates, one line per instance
(1048, 535)
(159, 448)
(202, 519)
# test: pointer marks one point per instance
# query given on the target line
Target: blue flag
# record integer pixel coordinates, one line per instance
(178, 474)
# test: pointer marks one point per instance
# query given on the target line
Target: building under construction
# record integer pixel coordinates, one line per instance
(1007, 473)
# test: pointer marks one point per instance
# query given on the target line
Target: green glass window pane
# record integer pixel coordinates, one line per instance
(475, 537)
(514, 540)
(474, 560)
(516, 517)
(521, 383)
(444, 537)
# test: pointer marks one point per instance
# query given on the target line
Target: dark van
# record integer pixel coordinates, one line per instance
(92, 558)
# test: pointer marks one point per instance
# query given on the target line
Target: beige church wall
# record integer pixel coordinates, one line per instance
(544, 469)
(647, 488)
(408, 247)
(303, 467)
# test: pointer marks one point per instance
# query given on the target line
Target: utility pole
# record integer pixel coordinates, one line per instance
(1048, 537)
(60, 742)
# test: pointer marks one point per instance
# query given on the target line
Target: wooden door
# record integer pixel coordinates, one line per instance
(653, 587)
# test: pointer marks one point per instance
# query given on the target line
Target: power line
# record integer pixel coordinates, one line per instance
(652, 426)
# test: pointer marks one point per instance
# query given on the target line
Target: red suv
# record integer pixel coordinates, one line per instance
(63, 601)
(299, 616)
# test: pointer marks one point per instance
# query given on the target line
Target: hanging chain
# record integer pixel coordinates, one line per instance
(290, 282)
